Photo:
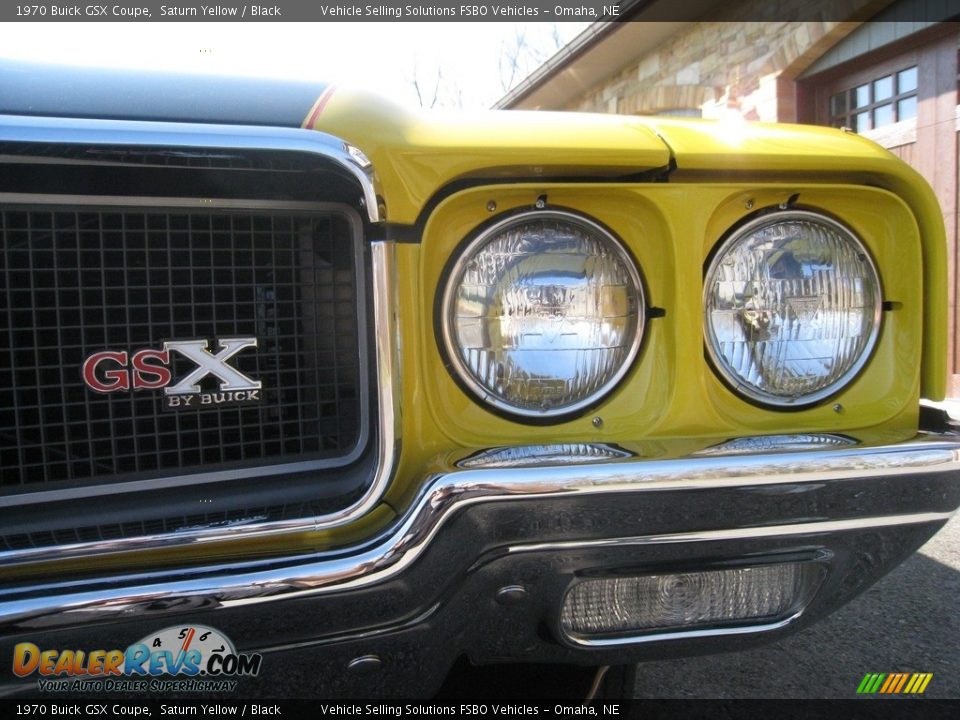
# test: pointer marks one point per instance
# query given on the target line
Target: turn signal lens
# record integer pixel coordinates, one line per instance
(671, 602)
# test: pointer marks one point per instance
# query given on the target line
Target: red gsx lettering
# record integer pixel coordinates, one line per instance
(145, 375)
(116, 379)
(142, 368)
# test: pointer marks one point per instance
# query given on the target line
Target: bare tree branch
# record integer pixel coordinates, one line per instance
(521, 55)
(443, 94)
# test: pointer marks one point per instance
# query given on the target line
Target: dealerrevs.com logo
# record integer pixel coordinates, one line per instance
(110, 371)
(178, 658)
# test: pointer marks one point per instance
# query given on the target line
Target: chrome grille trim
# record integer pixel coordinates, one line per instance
(384, 355)
(449, 492)
(15, 128)
(166, 477)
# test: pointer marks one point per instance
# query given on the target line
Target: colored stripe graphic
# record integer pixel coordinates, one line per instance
(891, 680)
(871, 683)
(894, 683)
(317, 108)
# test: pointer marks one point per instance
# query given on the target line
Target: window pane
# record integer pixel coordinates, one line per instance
(863, 121)
(861, 96)
(907, 108)
(907, 80)
(838, 104)
(883, 115)
(883, 88)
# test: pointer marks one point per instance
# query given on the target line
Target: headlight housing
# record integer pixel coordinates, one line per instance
(792, 308)
(542, 314)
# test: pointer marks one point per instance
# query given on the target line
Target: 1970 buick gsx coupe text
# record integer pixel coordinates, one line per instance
(347, 392)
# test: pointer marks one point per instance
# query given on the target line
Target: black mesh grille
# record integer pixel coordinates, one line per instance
(158, 156)
(74, 282)
(119, 530)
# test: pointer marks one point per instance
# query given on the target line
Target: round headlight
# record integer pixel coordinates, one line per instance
(792, 308)
(542, 314)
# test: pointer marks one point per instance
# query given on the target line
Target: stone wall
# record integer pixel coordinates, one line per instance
(730, 65)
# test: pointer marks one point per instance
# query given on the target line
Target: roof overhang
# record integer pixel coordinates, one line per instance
(602, 50)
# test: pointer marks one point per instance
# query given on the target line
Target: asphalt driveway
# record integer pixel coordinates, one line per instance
(908, 622)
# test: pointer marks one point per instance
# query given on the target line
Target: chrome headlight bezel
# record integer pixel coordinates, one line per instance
(445, 315)
(736, 382)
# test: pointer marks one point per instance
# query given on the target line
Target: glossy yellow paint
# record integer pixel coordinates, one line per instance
(671, 403)
(414, 154)
(417, 154)
(774, 151)
(671, 398)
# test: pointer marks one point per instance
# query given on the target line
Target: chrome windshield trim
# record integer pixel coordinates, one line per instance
(446, 494)
(31, 129)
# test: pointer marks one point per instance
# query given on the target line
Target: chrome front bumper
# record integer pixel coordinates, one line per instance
(432, 587)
